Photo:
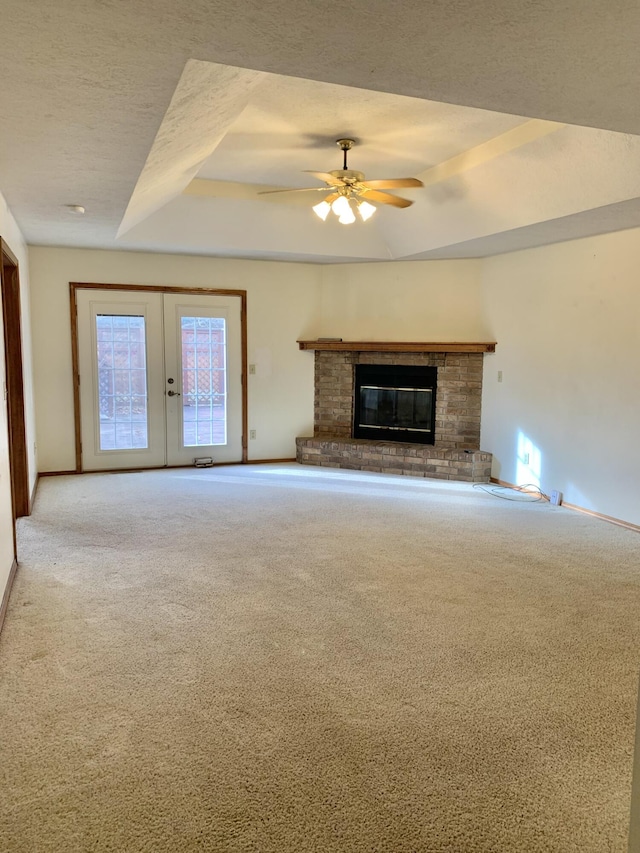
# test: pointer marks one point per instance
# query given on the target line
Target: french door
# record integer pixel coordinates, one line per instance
(160, 378)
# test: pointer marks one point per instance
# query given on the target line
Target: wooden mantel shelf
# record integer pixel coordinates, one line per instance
(397, 346)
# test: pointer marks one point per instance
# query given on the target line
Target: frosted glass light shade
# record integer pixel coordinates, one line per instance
(340, 206)
(366, 210)
(322, 209)
(347, 217)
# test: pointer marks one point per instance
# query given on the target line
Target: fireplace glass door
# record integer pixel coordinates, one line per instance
(395, 408)
(395, 403)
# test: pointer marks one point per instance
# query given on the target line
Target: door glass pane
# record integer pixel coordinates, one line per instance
(204, 381)
(122, 382)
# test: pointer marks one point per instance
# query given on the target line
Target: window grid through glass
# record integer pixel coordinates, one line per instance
(122, 382)
(204, 382)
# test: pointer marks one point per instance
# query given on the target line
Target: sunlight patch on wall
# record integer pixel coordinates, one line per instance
(528, 462)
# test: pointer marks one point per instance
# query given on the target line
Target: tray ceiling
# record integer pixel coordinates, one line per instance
(165, 123)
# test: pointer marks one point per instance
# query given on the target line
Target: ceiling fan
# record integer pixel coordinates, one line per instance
(348, 189)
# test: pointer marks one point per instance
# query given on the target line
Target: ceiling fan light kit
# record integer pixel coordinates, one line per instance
(349, 188)
(343, 209)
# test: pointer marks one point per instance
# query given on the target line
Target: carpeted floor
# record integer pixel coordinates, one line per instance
(279, 659)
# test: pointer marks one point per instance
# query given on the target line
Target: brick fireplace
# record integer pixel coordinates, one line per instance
(455, 453)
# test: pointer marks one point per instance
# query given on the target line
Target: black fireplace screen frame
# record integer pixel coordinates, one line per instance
(401, 378)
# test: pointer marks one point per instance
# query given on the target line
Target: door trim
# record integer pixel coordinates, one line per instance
(12, 321)
(74, 286)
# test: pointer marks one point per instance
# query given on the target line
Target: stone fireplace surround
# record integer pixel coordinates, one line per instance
(456, 454)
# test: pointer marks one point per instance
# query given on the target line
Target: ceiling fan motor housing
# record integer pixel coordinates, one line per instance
(349, 176)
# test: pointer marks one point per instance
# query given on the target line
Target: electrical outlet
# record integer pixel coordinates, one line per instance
(525, 458)
(252, 433)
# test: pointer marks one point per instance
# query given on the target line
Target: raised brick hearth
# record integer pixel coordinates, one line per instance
(420, 460)
(456, 453)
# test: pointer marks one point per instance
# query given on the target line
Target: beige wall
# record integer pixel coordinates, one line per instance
(285, 302)
(283, 305)
(403, 301)
(567, 322)
(10, 233)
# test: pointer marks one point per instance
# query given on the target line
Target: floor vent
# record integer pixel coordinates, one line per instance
(203, 462)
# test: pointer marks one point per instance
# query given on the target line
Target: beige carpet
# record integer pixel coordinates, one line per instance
(280, 659)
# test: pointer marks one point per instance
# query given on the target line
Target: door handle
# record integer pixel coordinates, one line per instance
(173, 393)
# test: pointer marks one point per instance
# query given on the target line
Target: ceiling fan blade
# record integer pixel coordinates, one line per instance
(326, 177)
(393, 183)
(385, 198)
(302, 190)
(331, 198)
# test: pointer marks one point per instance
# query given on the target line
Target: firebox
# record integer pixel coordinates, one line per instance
(395, 402)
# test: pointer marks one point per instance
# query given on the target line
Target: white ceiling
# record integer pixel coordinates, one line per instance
(165, 120)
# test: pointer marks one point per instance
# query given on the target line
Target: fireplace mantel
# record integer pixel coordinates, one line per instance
(396, 346)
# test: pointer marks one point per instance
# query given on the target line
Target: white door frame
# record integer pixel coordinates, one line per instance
(74, 286)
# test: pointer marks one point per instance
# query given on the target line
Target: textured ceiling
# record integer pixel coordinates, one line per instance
(118, 107)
